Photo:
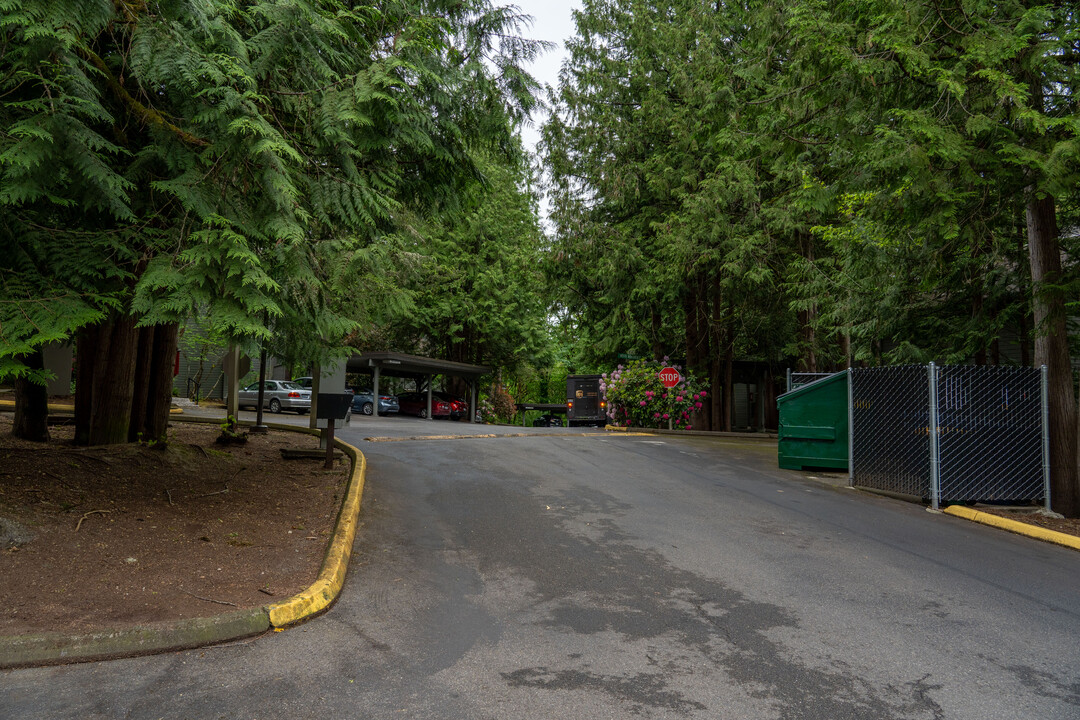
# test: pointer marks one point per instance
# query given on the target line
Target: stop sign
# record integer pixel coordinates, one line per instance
(669, 377)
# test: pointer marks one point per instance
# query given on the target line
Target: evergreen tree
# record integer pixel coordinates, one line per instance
(229, 159)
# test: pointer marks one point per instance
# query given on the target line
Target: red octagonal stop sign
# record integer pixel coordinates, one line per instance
(669, 377)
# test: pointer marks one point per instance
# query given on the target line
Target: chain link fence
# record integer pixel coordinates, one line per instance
(890, 442)
(955, 433)
(798, 379)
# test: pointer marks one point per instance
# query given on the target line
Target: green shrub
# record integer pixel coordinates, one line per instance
(636, 397)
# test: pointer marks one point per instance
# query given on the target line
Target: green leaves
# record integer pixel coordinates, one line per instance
(227, 160)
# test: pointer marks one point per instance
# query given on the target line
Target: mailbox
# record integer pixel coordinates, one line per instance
(332, 406)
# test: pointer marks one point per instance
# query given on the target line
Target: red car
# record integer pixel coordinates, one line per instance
(458, 407)
(415, 403)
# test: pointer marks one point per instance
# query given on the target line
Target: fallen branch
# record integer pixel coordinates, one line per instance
(169, 495)
(86, 515)
(199, 597)
(200, 449)
(219, 492)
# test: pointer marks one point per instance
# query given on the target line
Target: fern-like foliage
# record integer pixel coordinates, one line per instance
(228, 158)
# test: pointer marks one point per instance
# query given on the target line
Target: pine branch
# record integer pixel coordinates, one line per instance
(147, 115)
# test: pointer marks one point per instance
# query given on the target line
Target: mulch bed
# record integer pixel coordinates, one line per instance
(110, 536)
(1069, 526)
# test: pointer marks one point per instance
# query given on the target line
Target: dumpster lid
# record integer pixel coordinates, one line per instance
(835, 377)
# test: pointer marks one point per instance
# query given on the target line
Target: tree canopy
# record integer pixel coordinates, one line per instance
(823, 183)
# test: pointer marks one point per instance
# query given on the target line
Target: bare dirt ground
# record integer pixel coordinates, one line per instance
(1069, 526)
(106, 537)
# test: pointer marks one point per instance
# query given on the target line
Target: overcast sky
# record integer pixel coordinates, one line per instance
(552, 21)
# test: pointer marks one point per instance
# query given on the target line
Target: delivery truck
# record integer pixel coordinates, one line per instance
(584, 402)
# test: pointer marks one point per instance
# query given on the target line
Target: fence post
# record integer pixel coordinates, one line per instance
(850, 429)
(1045, 435)
(788, 380)
(935, 470)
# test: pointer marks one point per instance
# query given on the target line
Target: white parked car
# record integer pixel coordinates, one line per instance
(278, 395)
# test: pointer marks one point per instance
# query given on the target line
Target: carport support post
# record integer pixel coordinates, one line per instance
(375, 392)
(935, 468)
(429, 398)
(473, 400)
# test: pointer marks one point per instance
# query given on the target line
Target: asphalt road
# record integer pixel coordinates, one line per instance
(604, 576)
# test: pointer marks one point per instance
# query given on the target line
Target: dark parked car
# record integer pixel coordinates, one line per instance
(362, 403)
(415, 403)
(548, 421)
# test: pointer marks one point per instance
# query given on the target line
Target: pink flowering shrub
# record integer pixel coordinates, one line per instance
(635, 396)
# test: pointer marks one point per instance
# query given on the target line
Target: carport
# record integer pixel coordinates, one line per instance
(416, 367)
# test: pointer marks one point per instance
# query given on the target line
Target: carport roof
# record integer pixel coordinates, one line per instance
(393, 363)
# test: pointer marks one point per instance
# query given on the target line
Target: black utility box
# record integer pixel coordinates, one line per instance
(333, 406)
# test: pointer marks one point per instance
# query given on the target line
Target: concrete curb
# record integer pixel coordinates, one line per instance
(1032, 531)
(57, 648)
(324, 591)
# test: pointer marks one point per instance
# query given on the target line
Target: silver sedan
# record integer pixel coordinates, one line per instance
(278, 395)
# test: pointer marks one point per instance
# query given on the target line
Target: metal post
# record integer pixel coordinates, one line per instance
(375, 393)
(1045, 435)
(935, 469)
(329, 464)
(850, 426)
(789, 380)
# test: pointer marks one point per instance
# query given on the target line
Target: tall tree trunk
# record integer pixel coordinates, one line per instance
(86, 353)
(144, 349)
(729, 365)
(690, 326)
(1052, 350)
(159, 387)
(976, 315)
(768, 392)
(716, 395)
(807, 318)
(657, 345)
(114, 383)
(1025, 315)
(31, 403)
(702, 365)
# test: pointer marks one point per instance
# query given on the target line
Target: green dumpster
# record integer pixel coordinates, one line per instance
(814, 425)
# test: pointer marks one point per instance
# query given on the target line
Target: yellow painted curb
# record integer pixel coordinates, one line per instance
(322, 593)
(1033, 531)
(616, 428)
(53, 407)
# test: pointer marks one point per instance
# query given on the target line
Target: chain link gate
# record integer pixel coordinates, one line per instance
(954, 433)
